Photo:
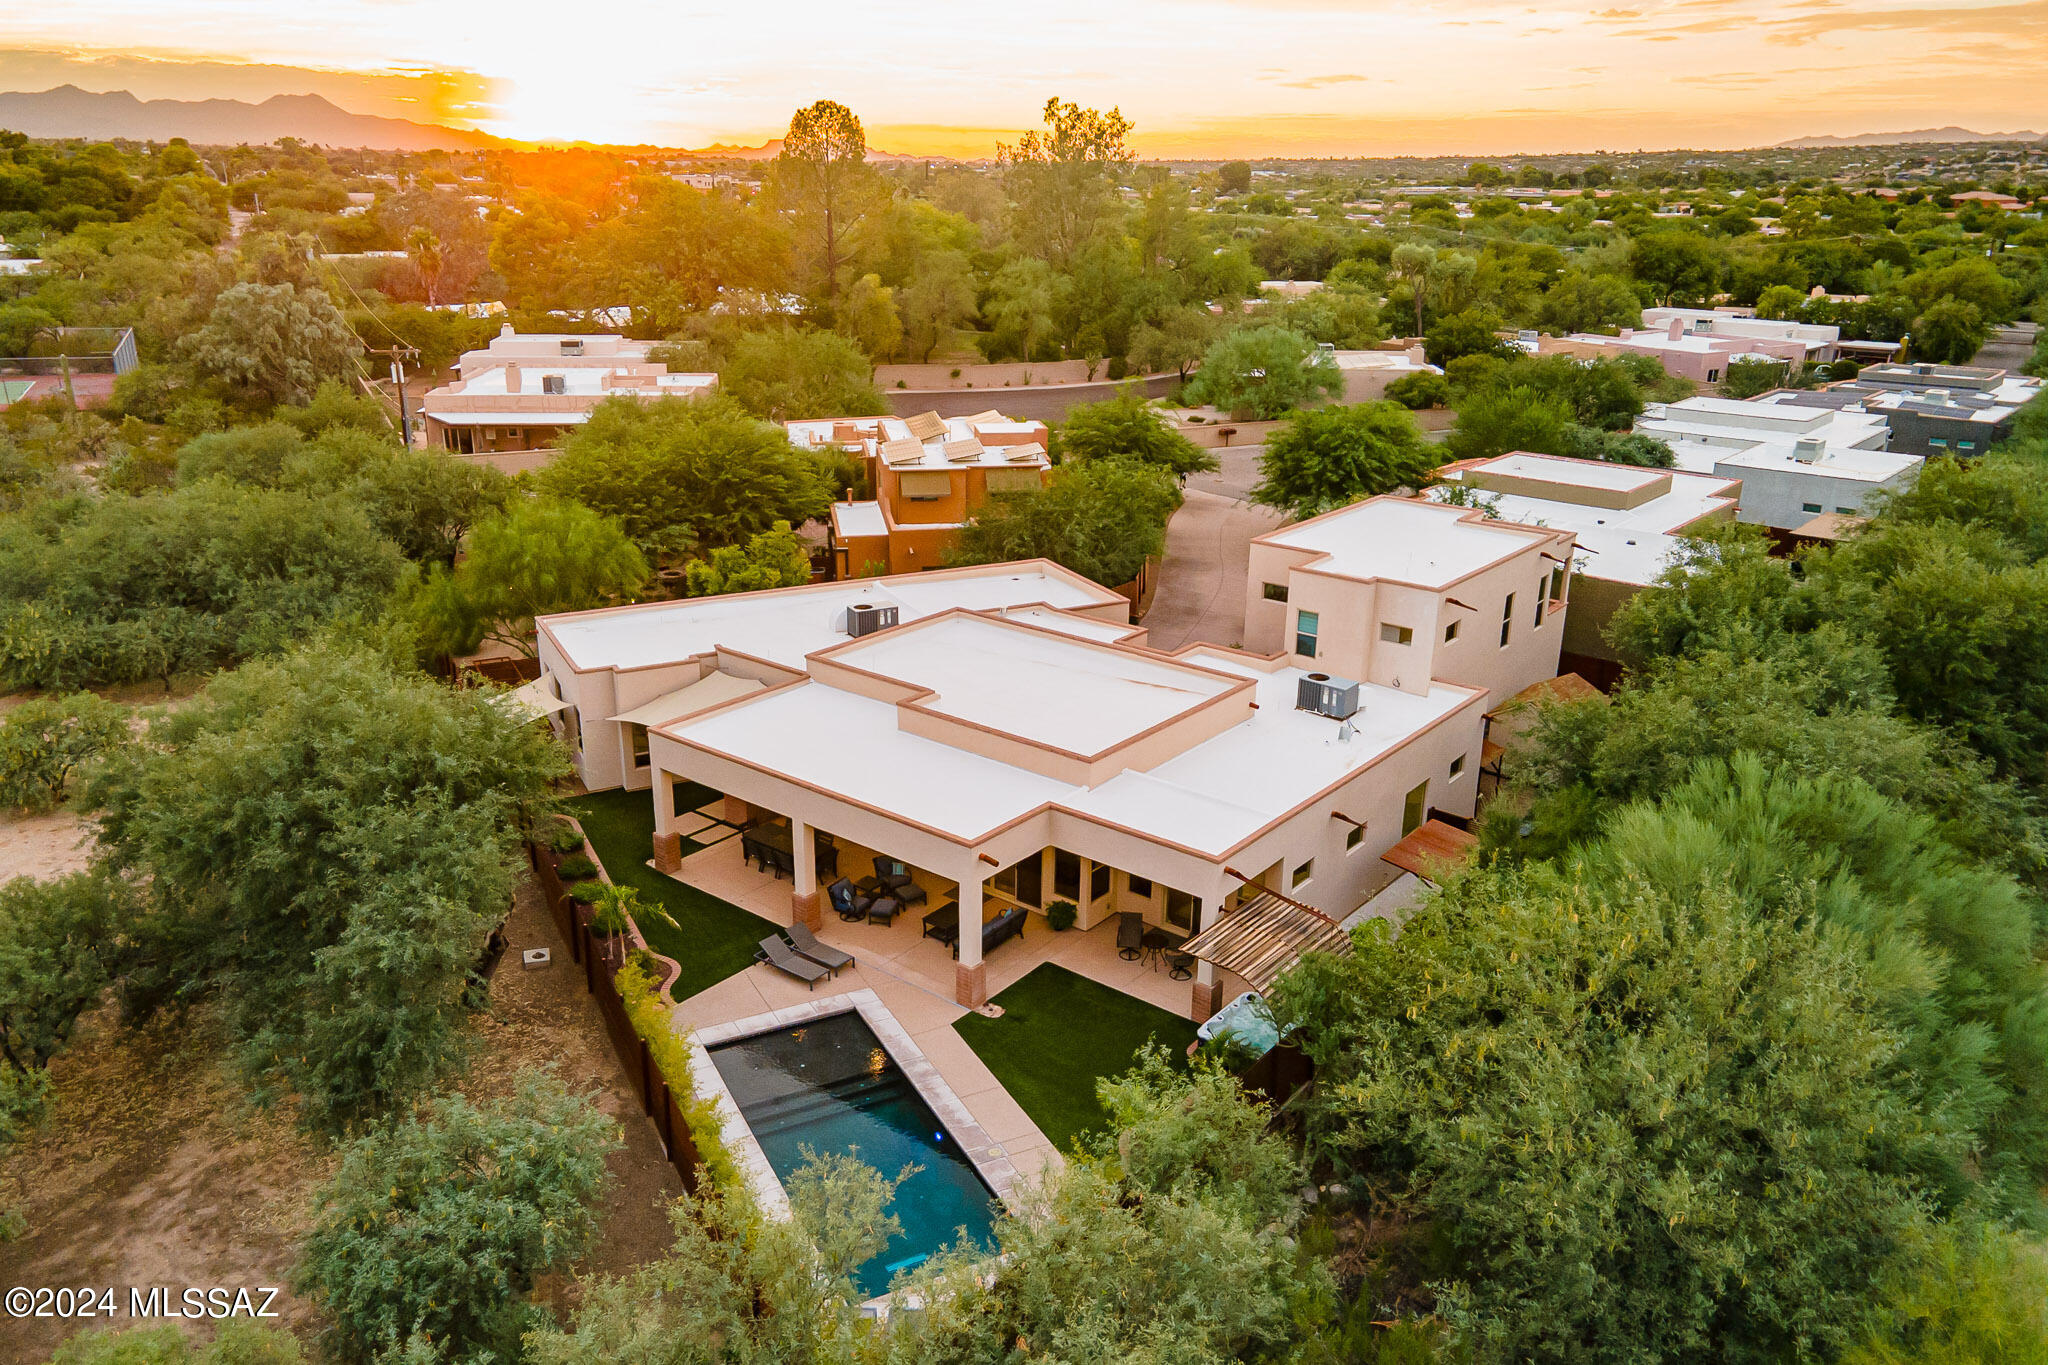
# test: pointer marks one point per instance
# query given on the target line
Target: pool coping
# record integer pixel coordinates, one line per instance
(989, 1159)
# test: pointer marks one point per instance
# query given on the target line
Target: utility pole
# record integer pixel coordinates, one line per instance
(398, 356)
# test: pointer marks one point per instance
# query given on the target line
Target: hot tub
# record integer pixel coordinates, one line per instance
(1245, 1021)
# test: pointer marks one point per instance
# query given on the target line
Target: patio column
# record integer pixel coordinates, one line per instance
(803, 895)
(1208, 993)
(668, 844)
(970, 976)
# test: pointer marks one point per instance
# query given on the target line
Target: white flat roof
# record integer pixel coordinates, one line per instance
(1049, 688)
(1423, 543)
(858, 519)
(1210, 798)
(1624, 545)
(783, 625)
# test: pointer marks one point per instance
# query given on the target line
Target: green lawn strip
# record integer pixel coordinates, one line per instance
(1060, 1033)
(711, 938)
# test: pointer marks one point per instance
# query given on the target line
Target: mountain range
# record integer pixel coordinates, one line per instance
(68, 111)
(1950, 134)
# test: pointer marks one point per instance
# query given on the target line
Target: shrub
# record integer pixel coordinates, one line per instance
(589, 893)
(437, 1225)
(44, 740)
(651, 1020)
(577, 868)
(565, 838)
(237, 1343)
(1420, 390)
(1060, 915)
(608, 920)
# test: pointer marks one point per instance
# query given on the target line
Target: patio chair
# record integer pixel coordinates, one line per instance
(894, 875)
(827, 863)
(824, 954)
(783, 958)
(849, 900)
(884, 911)
(1130, 935)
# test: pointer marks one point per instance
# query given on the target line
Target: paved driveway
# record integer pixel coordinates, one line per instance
(1208, 550)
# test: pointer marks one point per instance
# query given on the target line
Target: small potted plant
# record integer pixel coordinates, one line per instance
(1060, 915)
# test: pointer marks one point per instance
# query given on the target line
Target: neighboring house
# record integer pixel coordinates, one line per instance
(1819, 341)
(929, 474)
(1004, 732)
(1704, 359)
(514, 401)
(1931, 409)
(1795, 463)
(1627, 523)
(1367, 373)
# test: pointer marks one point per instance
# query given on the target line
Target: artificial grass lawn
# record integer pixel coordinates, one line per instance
(1060, 1033)
(711, 938)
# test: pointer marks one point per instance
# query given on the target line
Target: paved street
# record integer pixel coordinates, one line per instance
(1208, 548)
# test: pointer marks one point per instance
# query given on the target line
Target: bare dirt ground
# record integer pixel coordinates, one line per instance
(43, 846)
(152, 1170)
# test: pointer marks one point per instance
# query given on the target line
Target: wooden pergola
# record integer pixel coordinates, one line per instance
(1264, 937)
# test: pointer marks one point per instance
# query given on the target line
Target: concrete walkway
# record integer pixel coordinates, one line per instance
(1208, 550)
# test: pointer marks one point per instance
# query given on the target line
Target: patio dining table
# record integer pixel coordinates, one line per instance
(943, 923)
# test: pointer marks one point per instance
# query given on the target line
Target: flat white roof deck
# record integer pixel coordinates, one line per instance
(1627, 545)
(817, 434)
(1037, 685)
(1389, 538)
(1210, 798)
(858, 519)
(783, 625)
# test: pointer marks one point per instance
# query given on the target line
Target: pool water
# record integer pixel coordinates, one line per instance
(830, 1086)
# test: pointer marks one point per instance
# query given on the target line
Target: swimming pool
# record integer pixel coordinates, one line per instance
(830, 1085)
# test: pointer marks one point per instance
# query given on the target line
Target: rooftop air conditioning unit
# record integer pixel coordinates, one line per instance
(1336, 698)
(572, 346)
(1808, 449)
(554, 383)
(865, 618)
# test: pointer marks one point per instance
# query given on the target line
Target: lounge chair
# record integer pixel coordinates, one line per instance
(1130, 935)
(780, 956)
(824, 954)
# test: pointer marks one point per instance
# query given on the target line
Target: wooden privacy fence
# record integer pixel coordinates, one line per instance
(601, 956)
(1278, 1076)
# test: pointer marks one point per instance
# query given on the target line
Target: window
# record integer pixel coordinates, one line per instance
(924, 485)
(1557, 584)
(1066, 874)
(1098, 881)
(1414, 809)
(1010, 480)
(1305, 623)
(1391, 634)
(1966, 445)
(1276, 592)
(1302, 874)
(1450, 632)
(637, 734)
(1507, 620)
(1713, 376)
(1181, 909)
(572, 730)
(1541, 583)
(1138, 886)
(1938, 443)
(1846, 511)
(1354, 837)
(1022, 880)
(1809, 507)
(1457, 765)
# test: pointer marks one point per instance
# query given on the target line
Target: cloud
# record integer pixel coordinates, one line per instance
(1318, 82)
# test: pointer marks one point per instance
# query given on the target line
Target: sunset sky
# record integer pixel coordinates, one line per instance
(1214, 78)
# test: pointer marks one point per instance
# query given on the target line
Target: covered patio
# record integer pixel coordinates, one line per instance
(905, 949)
